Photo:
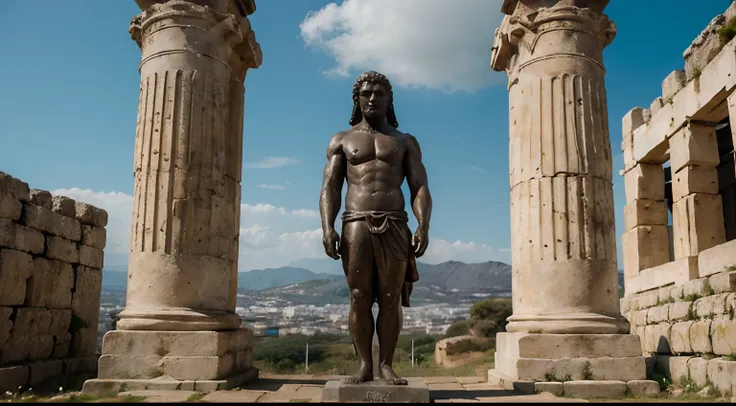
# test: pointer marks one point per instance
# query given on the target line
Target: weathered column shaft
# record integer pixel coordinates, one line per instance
(188, 150)
(563, 241)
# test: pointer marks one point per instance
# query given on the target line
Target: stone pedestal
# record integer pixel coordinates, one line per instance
(564, 242)
(564, 357)
(417, 391)
(180, 321)
(207, 360)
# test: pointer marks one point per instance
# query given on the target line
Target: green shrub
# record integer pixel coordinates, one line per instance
(727, 32)
(292, 348)
(474, 346)
(458, 328)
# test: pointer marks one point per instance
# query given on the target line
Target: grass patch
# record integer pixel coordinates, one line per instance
(688, 385)
(587, 374)
(697, 72)
(727, 32)
(730, 357)
(691, 297)
(709, 290)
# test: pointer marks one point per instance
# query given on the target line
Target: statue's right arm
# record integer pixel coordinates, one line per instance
(334, 176)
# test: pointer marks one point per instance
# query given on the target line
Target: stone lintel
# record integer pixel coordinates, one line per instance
(417, 391)
(698, 101)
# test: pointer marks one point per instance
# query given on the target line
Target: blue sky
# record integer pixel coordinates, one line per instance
(69, 82)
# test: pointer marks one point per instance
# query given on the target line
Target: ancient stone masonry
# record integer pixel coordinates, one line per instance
(680, 279)
(689, 330)
(180, 320)
(690, 126)
(566, 323)
(51, 259)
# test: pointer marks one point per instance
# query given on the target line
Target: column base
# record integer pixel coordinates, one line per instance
(180, 355)
(565, 357)
(169, 383)
(177, 319)
(568, 323)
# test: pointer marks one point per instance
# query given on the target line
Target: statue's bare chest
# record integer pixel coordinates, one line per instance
(361, 147)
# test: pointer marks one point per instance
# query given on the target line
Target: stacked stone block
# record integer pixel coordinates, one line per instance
(51, 257)
(689, 330)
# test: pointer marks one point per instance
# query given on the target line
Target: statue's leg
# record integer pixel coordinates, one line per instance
(358, 262)
(390, 280)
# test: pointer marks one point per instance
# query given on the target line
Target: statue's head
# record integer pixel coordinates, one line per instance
(373, 98)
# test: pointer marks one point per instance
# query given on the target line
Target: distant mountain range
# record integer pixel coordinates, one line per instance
(449, 275)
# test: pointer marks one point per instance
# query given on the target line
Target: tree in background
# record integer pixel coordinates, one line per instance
(458, 328)
(488, 317)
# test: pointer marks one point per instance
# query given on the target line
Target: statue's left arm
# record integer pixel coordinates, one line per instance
(421, 200)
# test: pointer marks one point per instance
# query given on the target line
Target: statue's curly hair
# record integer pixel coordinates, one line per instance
(373, 77)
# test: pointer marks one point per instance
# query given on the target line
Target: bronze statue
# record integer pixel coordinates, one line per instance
(377, 248)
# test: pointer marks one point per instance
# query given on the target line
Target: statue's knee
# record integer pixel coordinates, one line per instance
(357, 294)
(389, 300)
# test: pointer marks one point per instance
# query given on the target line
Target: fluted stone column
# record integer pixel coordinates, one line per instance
(182, 276)
(563, 241)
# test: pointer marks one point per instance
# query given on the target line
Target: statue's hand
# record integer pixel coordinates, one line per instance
(420, 241)
(331, 241)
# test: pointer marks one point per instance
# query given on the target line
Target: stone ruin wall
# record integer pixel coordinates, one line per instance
(689, 330)
(680, 279)
(51, 259)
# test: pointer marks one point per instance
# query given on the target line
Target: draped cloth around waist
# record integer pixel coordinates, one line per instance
(391, 236)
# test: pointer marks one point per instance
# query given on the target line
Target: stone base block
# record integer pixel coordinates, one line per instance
(563, 357)
(168, 383)
(553, 346)
(377, 391)
(587, 389)
(182, 355)
(11, 378)
(594, 389)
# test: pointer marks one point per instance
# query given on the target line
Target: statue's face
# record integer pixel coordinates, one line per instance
(373, 100)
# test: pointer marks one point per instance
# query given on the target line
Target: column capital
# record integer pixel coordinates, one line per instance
(520, 36)
(247, 54)
(202, 28)
(184, 14)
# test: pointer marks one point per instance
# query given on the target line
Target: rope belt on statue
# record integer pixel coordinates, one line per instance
(371, 215)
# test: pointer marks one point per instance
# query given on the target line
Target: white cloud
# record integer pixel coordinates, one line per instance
(440, 250)
(271, 186)
(438, 45)
(270, 236)
(270, 162)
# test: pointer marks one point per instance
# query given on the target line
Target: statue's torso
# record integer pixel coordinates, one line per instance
(375, 170)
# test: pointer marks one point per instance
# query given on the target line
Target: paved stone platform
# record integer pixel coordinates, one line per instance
(309, 388)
